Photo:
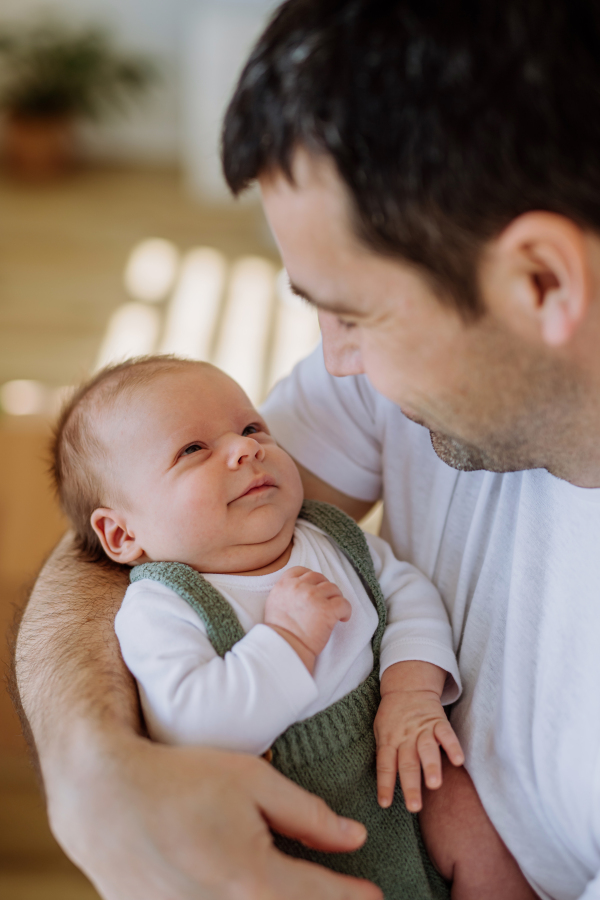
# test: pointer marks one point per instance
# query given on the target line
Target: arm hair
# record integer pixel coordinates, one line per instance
(67, 665)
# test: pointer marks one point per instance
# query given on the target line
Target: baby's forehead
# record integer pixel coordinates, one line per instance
(176, 393)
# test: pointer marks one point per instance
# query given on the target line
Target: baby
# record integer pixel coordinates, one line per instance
(277, 647)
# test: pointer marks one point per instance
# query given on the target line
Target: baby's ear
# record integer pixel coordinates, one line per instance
(118, 544)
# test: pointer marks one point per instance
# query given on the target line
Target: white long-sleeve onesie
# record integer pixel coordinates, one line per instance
(245, 700)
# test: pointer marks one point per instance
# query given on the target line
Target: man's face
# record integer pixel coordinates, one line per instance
(482, 391)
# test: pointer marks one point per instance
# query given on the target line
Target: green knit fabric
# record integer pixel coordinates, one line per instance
(331, 754)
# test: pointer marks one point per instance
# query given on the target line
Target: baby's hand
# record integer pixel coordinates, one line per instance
(410, 727)
(305, 607)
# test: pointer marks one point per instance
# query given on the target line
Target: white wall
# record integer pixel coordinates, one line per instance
(199, 45)
(218, 38)
(151, 131)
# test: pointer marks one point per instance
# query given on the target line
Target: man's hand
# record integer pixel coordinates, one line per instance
(304, 608)
(193, 824)
(410, 727)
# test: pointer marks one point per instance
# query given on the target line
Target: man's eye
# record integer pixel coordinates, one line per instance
(251, 429)
(193, 448)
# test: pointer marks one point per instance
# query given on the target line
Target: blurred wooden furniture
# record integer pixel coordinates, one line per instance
(30, 525)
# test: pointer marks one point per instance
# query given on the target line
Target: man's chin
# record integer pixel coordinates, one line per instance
(467, 458)
(453, 453)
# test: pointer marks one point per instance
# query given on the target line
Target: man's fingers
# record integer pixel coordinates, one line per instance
(296, 879)
(292, 811)
(387, 772)
(445, 736)
(431, 760)
(409, 770)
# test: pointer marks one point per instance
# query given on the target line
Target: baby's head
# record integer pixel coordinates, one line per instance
(166, 459)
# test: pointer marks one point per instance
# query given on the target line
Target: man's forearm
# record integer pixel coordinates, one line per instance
(67, 661)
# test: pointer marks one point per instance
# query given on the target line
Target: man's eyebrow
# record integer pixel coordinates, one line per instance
(338, 308)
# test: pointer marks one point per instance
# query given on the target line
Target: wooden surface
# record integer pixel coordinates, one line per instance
(30, 526)
(32, 865)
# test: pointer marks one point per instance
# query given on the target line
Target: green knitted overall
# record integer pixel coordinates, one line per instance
(331, 754)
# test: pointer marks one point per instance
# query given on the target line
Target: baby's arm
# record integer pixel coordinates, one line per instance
(410, 727)
(241, 702)
(419, 673)
(192, 696)
(304, 607)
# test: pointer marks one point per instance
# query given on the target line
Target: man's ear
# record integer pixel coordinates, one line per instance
(538, 276)
(118, 544)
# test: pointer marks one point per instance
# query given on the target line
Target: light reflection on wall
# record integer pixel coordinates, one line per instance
(23, 398)
(193, 311)
(246, 329)
(241, 315)
(132, 331)
(296, 331)
(151, 270)
(32, 398)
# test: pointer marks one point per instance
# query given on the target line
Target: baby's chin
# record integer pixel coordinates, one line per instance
(267, 549)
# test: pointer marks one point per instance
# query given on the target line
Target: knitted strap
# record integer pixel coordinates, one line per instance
(352, 542)
(222, 625)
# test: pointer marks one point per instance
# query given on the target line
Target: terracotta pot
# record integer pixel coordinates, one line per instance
(38, 149)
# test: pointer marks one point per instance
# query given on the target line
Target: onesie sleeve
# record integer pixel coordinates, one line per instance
(418, 627)
(189, 694)
(329, 425)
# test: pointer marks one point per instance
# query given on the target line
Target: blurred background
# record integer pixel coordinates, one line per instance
(117, 238)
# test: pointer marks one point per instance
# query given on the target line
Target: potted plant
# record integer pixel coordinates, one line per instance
(51, 75)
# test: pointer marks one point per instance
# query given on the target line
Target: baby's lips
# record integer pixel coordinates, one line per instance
(263, 481)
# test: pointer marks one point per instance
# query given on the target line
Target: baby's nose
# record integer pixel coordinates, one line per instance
(244, 448)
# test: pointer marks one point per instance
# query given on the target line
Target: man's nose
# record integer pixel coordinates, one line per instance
(241, 449)
(341, 348)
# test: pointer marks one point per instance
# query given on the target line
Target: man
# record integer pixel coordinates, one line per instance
(430, 170)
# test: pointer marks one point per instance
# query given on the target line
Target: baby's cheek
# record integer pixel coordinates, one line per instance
(291, 480)
(193, 517)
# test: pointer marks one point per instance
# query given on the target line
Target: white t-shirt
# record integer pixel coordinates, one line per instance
(247, 699)
(516, 558)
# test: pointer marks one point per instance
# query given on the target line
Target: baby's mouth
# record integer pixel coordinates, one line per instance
(258, 486)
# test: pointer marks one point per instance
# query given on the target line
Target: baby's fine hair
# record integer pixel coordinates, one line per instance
(80, 460)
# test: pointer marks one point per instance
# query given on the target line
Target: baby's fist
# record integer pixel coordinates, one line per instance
(306, 605)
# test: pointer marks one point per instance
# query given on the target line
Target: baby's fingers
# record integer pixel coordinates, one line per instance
(445, 736)
(387, 772)
(431, 760)
(335, 601)
(409, 769)
(344, 609)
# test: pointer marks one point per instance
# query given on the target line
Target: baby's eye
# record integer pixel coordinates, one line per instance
(345, 324)
(193, 448)
(251, 429)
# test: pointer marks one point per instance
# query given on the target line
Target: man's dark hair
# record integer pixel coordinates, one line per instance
(446, 119)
